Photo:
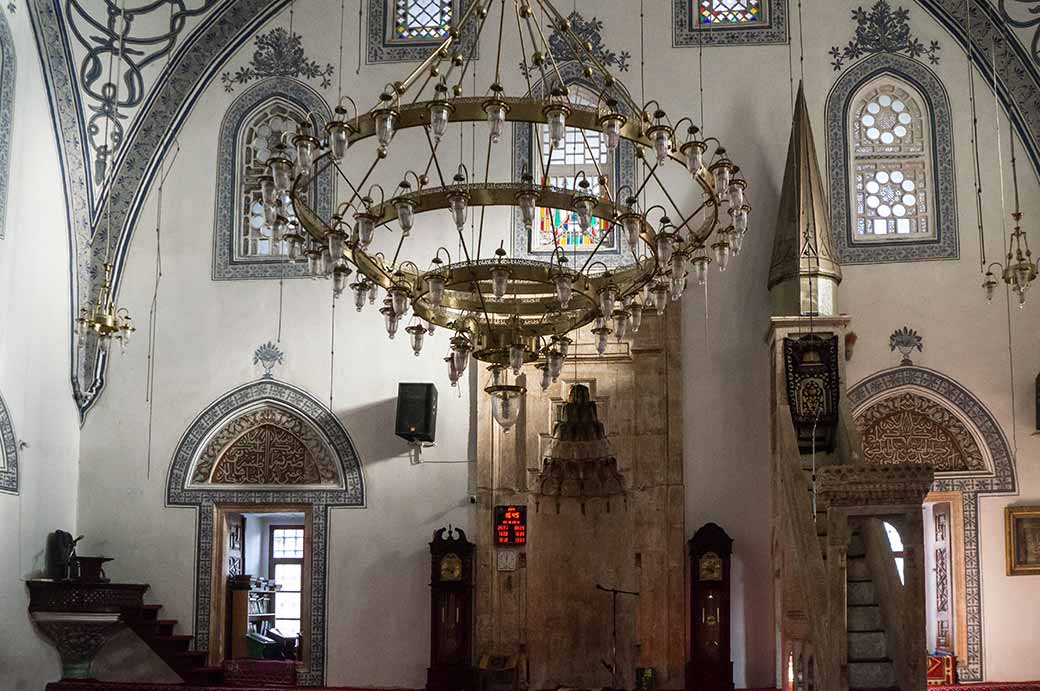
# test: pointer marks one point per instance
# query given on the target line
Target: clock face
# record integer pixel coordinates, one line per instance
(451, 567)
(710, 567)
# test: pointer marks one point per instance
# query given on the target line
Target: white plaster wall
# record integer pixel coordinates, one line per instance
(34, 369)
(378, 625)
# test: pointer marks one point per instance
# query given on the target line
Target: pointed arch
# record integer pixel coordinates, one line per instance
(915, 143)
(252, 126)
(8, 452)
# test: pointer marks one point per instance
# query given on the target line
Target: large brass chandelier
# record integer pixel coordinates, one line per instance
(510, 312)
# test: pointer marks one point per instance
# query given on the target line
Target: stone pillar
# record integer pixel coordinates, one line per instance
(837, 565)
(78, 636)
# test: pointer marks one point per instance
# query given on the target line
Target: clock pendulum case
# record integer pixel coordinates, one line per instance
(709, 667)
(451, 612)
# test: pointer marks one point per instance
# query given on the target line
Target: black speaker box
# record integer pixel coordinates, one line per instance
(417, 412)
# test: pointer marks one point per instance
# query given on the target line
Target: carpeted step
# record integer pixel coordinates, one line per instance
(165, 627)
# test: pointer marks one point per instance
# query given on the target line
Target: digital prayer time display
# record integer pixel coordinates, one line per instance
(510, 525)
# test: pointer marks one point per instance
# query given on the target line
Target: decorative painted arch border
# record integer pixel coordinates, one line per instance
(8, 70)
(946, 244)
(298, 96)
(1002, 480)
(8, 452)
(624, 164)
(178, 493)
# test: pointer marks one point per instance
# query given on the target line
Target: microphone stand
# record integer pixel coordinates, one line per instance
(614, 592)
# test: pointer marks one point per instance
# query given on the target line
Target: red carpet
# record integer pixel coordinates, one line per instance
(122, 686)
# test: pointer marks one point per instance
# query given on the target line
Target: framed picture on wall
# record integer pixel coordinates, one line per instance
(1022, 540)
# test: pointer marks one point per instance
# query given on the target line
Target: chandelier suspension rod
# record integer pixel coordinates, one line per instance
(467, 61)
(433, 157)
(653, 174)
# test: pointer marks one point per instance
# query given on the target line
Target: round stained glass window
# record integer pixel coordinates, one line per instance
(908, 185)
(868, 120)
(873, 187)
(873, 108)
(885, 100)
(884, 211)
(909, 199)
(881, 176)
(873, 133)
(887, 138)
(898, 106)
(899, 210)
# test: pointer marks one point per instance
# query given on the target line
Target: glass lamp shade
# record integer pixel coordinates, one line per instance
(390, 320)
(373, 293)
(499, 282)
(436, 286)
(722, 172)
(279, 228)
(610, 125)
(700, 269)
(607, 299)
(545, 381)
(526, 201)
(399, 300)
(295, 246)
(281, 172)
(366, 227)
(440, 113)
(314, 263)
(453, 372)
(736, 241)
(736, 193)
(1022, 278)
(416, 334)
(601, 334)
(267, 191)
(460, 350)
(505, 404)
(328, 263)
(694, 152)
(336, 240)
(339, 138)
(664, 243)
(660, 297)
(722, 254)
(555, 361)
(636, 318)
(631, 223)
(556, 117)
(564, 289)
(516, 358)
(661, 137)
(430, 328)
(740, 218)
(678, 286)
(386, 121)
(306, 149)
(496, 117)
(458, 204)
(678, 264)
(622, 321)
(1021, 297)
(340, 276)
(583, 206)
(405, 214)
(563, 343)
(990, 285)
(360, 289)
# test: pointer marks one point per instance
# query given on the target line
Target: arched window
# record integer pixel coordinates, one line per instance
(895, 542)
(253, 127)
(890, 163)
(7, 72)
(890, 150)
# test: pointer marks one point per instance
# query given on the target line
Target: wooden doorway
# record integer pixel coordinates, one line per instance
(229, 519)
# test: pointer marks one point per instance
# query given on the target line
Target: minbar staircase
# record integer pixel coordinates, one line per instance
(174, 649)
(870, 667)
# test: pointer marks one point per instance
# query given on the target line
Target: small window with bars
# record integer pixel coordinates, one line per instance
(728, 12)
(422, 20)
(287, 549)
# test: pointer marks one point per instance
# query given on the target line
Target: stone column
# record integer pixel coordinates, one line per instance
(78, 636)
(912, 534)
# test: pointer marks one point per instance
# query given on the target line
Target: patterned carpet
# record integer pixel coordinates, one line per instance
(114, 686)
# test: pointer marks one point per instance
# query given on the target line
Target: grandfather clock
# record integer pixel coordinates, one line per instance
(709, 667)
(451, 612)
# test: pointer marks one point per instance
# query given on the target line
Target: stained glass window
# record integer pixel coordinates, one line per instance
(729, 11)
(259, 140)
(422, 19)
(582, 150)
(891, 168)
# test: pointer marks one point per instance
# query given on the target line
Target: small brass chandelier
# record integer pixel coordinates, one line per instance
(1019, 269)
(104, 320)
(509, 312)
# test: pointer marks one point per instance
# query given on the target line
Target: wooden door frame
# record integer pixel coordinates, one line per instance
(958, 575)
(218, 600)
